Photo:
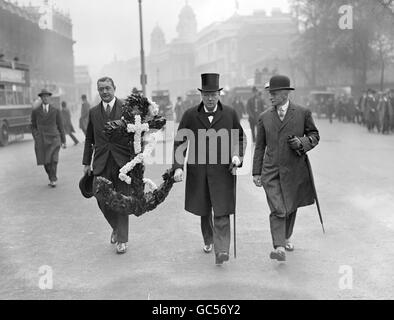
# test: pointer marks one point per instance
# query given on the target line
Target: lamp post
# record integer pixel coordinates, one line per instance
(143, 75)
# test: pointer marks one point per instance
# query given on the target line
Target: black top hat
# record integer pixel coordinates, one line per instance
(210, 82)
(44, 92)
(279, 83)
(86, 185)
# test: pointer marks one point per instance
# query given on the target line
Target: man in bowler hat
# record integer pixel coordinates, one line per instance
(48, 134)
(110, 154)
(210, 184)
(285, 133)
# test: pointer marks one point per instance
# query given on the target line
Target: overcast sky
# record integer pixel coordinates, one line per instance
(105, 28)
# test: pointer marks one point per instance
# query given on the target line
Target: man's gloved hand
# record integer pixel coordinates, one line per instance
(257, 181)
(295, 143)
(178, 175)
(235, 163)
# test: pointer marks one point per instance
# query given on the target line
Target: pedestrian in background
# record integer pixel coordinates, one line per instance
(372, 116)
(385, 112)
(254, 107)
(391, 99)
(48, 133)
(67, 124)
(210, 184)
(285, 133)
(238, 107)
(179, 109)
(330, 108)
(84, 119)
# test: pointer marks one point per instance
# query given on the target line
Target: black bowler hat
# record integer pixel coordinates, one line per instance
(86, 185)
(279, 83)
(44, 92)
(210, 82)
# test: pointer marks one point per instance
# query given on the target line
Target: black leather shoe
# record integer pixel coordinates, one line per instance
(279, 255)
(222, 257)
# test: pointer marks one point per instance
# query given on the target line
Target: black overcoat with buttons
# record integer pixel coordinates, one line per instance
(209, 183)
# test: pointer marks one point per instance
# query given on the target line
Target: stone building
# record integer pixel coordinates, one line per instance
(40, 37)
(170, 66)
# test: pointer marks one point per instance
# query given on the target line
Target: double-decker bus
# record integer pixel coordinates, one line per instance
(15, 103)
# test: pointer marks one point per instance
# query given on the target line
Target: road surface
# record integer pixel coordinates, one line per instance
(60, 229)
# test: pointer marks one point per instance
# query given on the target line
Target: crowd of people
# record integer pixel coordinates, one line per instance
(374, 110)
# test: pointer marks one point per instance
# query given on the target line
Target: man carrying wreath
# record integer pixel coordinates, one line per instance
(111, 152)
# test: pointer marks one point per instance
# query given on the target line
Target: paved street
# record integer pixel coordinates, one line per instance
(59, 228)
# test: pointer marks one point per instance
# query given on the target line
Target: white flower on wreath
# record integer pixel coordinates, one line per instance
(150, 139)
(153, 108)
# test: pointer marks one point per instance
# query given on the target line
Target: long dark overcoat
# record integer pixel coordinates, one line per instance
(67, 124)
(209, 183)
(285, 175)
(48, 134)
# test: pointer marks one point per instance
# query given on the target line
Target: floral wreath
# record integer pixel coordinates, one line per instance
(140, 122)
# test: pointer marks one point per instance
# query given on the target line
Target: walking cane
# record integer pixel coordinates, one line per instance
(234, 173)
(315, 192)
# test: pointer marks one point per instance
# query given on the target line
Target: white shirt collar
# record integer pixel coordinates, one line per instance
(285, 106)
(111, 103)
(214, 110)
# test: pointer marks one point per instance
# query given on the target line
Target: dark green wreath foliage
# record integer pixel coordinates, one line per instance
(137, 202)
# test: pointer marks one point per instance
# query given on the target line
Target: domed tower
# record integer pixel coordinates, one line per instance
(187, 24)
(157, 39)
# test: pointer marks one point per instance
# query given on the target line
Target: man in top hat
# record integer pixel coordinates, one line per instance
(110, 154)
(254, 107)
(285, 133)
(210, 184)
(48, 134)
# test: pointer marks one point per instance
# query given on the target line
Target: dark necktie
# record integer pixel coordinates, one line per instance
(210, 113)
(108, 110)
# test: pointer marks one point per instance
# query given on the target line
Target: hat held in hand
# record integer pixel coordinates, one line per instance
(86, 185)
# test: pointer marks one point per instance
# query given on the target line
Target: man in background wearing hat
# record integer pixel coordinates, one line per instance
(285, 133)
(210, 184)
(254, 107)
(110, 154)
(48, 134)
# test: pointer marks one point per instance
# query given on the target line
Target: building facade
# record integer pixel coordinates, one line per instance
(40, 37)
(83, 82)
(235, 48)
